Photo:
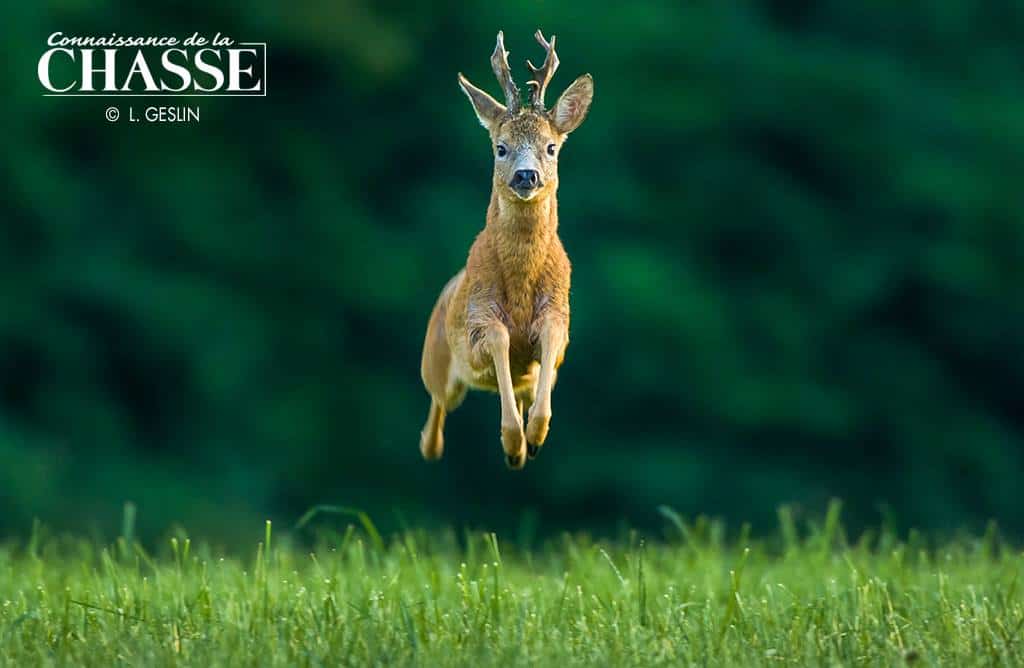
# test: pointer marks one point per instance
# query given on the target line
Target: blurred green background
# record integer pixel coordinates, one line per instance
(796, 233)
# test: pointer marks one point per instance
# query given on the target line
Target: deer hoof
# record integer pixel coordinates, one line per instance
(431, 447)
(532, 450)
(537, 429)
(515, 462)
(514, 445)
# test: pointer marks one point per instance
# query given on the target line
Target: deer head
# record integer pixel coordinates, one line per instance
(527, 139)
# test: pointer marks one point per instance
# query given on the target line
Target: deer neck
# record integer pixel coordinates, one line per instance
(522, 233)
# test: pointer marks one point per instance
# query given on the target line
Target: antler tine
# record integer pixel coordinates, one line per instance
(499, 63)
(542, 75)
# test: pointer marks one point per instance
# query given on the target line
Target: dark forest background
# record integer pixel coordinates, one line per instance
(797, 238)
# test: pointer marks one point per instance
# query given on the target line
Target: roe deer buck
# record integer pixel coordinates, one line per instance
(502, 323)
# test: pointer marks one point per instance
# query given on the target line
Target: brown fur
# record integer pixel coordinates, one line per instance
(502, 323)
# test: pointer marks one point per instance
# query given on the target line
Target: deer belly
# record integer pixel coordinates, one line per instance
(523, 374)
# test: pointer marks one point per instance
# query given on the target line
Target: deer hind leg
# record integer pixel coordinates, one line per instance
(526, 394)
(436, 369)
(432, 436)
(553, 340)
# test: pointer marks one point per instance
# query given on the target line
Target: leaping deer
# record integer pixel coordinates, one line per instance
(502, 323)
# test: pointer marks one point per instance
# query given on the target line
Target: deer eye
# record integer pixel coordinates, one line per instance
(551, 149)
(502, 151)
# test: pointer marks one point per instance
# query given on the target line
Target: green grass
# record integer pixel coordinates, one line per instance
(694, 596)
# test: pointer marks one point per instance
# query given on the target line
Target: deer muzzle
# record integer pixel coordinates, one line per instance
(525, 181)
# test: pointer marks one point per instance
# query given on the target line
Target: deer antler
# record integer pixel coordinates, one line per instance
(499, 63)
(542, 75)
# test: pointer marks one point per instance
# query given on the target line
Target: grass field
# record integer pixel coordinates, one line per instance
(696, 595)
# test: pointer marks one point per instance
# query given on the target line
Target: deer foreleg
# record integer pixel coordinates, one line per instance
(553, 337)
(512, 441)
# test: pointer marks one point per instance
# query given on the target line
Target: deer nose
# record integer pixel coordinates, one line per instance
(525, 179)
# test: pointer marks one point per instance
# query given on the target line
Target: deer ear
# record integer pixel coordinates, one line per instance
(487, 109)
(572, 106)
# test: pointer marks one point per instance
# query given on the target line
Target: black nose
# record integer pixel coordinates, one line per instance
(525, 178)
